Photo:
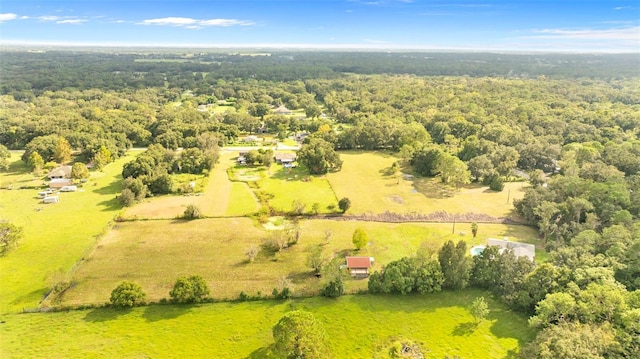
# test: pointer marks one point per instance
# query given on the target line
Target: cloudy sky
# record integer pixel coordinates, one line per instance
(545, 25)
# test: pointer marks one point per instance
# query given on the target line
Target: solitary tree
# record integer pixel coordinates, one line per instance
(344, 204)
(474, 229)
(360, 238)
(9, 237)
(479, 309)
(189, 289)
(315, 259)
(127, 294)
(299, 335)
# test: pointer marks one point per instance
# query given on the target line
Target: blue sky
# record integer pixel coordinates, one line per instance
(542, 25)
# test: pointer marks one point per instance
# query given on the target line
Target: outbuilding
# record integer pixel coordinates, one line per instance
(359, 266)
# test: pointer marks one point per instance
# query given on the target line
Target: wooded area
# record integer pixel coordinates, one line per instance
(569, 124)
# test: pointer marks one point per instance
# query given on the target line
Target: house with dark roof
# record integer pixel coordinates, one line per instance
(60, 172)
(359, 266)
(282, 110)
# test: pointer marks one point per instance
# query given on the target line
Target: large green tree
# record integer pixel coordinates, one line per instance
(189, 289)
(319, 156)
(127, 294)
(455, 264)
(298, 334)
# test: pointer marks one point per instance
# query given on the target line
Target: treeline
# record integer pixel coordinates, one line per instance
(36, 72)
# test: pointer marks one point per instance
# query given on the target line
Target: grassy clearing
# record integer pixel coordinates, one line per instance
(220, 198)
(155, 253)
(242, 201)
(384, 192)
(295, 184)
(55, 235)
(356, 327)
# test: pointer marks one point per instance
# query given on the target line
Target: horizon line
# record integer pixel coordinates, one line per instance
(308, 47)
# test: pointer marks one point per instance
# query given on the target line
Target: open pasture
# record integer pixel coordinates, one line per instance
(295, 184)
(359, 326)
(155, 253)
(55, 235)
(366, 179)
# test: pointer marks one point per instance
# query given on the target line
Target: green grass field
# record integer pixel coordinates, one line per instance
(356, 327)
(155, 253)
(365, 179)
(294, 184)
(55, 235)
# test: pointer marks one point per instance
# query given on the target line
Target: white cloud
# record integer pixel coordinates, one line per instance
(71, 21)
(49, 18)
(24, 17)
(626, 33)
(7, 17)
(190, 23)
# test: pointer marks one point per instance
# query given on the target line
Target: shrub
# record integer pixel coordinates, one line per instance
(127, 294)
(127, 197)
(334, 288)
(192, 212)
(189, 289)
(496, 184)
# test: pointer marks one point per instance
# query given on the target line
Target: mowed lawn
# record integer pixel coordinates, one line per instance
(155, 253)
(55, 235)
(359, 326)
(221, 197)
(366, 180)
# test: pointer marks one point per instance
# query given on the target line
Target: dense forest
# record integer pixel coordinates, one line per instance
(570, 124)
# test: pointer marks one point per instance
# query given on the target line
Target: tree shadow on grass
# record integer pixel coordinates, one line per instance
(38, 294)
(430, 188)
(154, 313)
(99, 315)
(110, 205)
(464, 329)
(262, 353)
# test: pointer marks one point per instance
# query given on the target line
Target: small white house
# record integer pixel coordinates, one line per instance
(50, 199)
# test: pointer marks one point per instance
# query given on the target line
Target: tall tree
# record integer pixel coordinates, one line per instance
(62, 151)
(299, 335)
(455, 264)
(319, 156)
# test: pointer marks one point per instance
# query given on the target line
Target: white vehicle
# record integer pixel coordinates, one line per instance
(51, 199)
(69, 189)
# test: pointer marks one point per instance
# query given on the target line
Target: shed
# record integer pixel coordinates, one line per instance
(58, 183)
(359, 266)
(519, 249)
(60, 172)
